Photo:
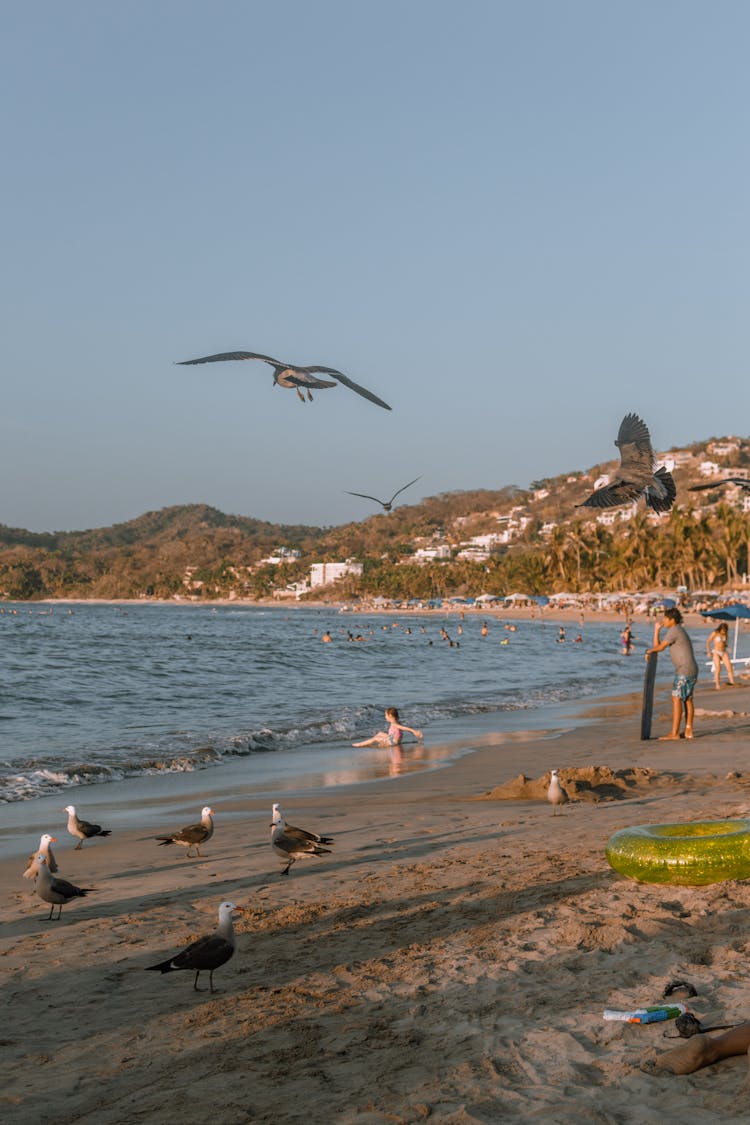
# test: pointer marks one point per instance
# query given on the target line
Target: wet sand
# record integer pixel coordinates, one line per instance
(449, 961)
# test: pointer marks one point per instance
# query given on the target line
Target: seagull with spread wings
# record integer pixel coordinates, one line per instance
(741, 481)
(636, 476)
(302, 379)
(385, 504)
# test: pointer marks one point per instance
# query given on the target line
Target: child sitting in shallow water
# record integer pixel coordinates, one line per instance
(393, 736)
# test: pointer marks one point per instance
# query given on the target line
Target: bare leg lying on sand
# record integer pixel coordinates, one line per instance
(700, 1051)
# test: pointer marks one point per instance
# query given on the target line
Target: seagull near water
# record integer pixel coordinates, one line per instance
(385, 504)
(44, 848)
(636, 476)
(206, 953)
(83, 829)
(556, 795)
(58, 892)
(193, 835)
(302, 379)
(292, 843)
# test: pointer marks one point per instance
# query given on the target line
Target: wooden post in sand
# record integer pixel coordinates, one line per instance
(649, 680)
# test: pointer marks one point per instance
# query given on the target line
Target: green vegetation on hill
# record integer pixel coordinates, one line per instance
(196, 550)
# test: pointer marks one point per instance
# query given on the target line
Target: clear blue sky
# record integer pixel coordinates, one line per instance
(514, 221)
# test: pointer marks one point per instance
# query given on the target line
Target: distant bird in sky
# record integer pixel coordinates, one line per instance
(302, 379)
(744, 484)
(206, 953)
(556, 795)
(193, 835)
(385, 504)
(83, 829)
(58, 892)
(636, 476)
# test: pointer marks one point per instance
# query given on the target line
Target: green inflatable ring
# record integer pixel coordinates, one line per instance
(689, 855)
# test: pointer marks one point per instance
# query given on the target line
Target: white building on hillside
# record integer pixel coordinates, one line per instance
(430, 554)
(281, 555)
(723, 448)
(322, 574)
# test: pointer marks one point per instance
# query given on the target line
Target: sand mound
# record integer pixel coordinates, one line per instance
(587, 783)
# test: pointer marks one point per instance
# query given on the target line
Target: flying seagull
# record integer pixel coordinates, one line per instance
(556, 795)
(300, 834)
(193, 835)
(636, 476)
(32, 869)
(385, 504)
(58, 892)
(82, 828)
(206, 953)
(302, 379)
(741, 481)
(291, 847)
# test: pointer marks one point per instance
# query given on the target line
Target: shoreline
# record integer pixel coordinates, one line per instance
(316, 767)
(449, 960)
(552, 614)
(152, 798)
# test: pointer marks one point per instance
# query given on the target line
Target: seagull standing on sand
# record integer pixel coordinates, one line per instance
(58, 892)
(288, 375)
(44, 848)
(293, 846)
(193, 835)
(83, 829)
(298, 833)
(385, 504)
(207, 953)
(636, 476)
(556, 795)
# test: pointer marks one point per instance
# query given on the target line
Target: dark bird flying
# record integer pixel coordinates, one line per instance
(635, 476)
(302, 379)
(385, 504)
(744, 484)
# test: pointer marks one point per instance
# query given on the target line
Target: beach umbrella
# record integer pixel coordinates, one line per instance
(665, 603)
(729, 613)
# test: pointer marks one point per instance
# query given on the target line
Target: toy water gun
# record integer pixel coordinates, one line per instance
(654, 1014)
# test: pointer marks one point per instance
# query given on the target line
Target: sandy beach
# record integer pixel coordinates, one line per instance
(449, 961)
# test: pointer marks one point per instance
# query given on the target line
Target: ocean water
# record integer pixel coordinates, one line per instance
(93, 693)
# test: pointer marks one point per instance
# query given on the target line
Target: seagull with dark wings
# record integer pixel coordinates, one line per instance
(385, 504)
(302, 379)
(636, 476)
(741, 481)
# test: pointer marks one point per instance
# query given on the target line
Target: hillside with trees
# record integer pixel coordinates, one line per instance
(197, 551)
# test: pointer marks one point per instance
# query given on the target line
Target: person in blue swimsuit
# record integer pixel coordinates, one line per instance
(395, 733)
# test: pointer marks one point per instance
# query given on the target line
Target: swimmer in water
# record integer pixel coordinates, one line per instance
(394, 735)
